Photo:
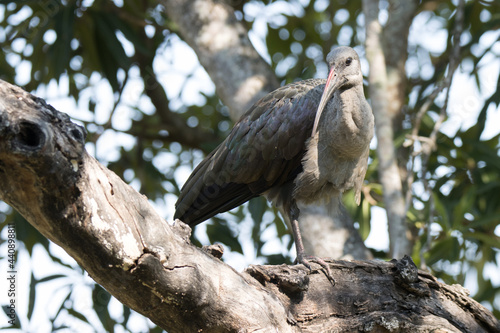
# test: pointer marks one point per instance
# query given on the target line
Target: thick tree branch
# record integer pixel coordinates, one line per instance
(113, 232)
(150, 265)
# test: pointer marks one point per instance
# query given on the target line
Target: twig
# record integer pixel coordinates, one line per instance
(368, 197)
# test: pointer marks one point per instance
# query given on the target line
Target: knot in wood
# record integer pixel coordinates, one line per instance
(215, 250)
(182, 229)
(289, 279)
(406, 269)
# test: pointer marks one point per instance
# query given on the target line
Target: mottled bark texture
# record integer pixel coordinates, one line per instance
(150, 265)
(242, 77)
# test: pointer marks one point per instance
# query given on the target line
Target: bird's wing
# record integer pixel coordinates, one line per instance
(263, 150)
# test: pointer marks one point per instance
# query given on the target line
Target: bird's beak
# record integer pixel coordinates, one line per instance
(330, 87)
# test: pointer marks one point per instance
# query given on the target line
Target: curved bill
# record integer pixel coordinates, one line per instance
(330, 87)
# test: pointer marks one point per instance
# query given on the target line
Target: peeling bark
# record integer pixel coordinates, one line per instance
(150, 265)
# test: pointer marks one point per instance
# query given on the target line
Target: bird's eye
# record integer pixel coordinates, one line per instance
(348, 61)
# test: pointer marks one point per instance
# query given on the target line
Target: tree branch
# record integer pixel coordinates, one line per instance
(150, 265)
(113, 232)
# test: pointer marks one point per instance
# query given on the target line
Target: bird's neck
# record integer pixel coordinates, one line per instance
(348, 123)
(352, 109)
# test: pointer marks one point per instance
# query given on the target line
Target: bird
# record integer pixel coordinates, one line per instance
(305, 142)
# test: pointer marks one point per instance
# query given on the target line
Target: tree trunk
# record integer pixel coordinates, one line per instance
(385, 103)
(150, 265)
(224, 50)
(242, 77)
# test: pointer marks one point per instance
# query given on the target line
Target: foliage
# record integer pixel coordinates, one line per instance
(79, 46)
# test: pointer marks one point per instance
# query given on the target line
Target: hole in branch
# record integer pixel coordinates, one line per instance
(30, 135)
(78, 133)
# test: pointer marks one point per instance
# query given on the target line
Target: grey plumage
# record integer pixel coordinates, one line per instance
(306, 141)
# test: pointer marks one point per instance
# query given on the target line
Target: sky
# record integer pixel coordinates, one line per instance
(180, 62)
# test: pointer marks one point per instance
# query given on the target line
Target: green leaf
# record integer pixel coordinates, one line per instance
(280, 224)
(85, 30)
(219, 231)
(101, 299)
(32, 296)
(51, 277)
(60, 52)
(61, 307)
(17, 321)
(110, 52)
(488, 240)
(77, 315)
(442, 213)
(485, 221)
(446, 249)
(463, 206)
(364, 219)
(126, 315)
(257, 207)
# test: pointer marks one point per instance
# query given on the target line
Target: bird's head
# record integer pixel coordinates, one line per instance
(345, 72)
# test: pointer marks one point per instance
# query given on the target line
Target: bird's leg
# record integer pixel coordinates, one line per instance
(302, 258)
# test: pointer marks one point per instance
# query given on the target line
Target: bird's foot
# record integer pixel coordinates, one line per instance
(305, 259)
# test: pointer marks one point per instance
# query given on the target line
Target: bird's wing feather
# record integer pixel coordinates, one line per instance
(263, 150)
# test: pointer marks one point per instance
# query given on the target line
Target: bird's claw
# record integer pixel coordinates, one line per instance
(304, 260)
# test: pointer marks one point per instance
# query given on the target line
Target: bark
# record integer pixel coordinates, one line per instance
(395, 43)
(150, 265)
(113, 232)
(242, 77)
(383, 90)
